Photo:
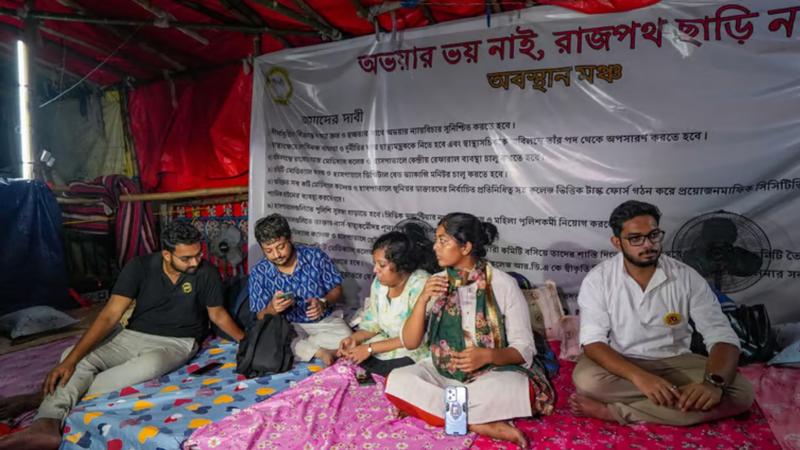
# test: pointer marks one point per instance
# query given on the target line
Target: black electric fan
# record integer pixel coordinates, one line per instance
(227, 244)
(726, 248)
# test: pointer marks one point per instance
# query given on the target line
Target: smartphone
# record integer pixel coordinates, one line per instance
(365, 379)
(455, 410)
(287, 295)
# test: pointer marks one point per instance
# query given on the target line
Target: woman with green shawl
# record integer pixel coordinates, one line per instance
(475, 320)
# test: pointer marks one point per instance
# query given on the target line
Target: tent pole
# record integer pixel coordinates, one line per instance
(72, 6)
(127, 131)
(153, 23)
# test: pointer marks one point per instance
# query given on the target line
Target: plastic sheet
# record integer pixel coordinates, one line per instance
(202, 141)
(32, 268)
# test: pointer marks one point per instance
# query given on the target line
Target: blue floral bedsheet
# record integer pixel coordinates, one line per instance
(161, 413)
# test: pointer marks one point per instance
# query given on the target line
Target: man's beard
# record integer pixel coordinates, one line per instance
(642, 263)
(188, 270)
(283, 261)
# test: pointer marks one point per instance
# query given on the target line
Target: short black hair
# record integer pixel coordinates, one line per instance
(629, 210)
(179, 232)
(272, 227)
(465, 227)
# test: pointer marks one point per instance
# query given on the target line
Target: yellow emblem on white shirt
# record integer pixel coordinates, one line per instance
(672, 318)
(187, 287)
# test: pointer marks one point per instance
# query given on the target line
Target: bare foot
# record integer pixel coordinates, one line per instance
(583, 406)
(11, 407)
(501, 430)
(43, 434)
(327, 356)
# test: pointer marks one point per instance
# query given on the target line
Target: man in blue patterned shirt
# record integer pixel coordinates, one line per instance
(301, 283)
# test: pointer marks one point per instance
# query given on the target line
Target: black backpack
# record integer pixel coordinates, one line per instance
(266, 347)
(752, 325)
(237, 303)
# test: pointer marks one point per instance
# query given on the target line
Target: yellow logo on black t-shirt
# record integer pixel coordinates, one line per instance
(187, 287)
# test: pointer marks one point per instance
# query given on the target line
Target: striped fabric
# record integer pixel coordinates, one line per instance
(131, 222)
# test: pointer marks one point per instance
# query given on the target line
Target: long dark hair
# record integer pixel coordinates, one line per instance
(409, 249)
(465, 228)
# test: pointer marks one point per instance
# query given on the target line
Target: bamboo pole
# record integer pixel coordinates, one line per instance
(318, 17)
(322, 30)
(206, 11)
(495, 6)
(74, 40)
(127, 132)
(215, 201)
(78, 200)
(146, 23)
(91, 219)
(247, 15)
(244, 12)
(167, 17)
(123, 35)
(426, 11)
(91, 61)
(361, 11)
(162, 196)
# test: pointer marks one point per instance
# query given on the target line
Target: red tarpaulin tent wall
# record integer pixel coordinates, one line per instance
(193, 132)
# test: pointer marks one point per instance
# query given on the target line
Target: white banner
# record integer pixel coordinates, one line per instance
(542, 124)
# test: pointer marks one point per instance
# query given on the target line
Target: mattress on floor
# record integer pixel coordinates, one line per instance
(162, 413)
(361, 417)
(563, 430)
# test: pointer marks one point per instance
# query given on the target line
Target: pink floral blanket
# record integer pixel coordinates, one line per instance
(562, 430)
(328, 410)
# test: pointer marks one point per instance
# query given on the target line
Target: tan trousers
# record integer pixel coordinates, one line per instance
(627, 404)
(129, 358)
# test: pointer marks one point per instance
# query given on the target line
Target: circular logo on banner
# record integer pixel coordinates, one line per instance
(279, 85)
(672, 318)
(187, 287)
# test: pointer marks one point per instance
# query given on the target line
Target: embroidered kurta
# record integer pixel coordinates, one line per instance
(387, 317)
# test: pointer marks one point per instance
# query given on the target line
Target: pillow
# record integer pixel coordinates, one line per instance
(789, 357)
(570, 344)
(33, 320)
(537, 318)
(545, 310)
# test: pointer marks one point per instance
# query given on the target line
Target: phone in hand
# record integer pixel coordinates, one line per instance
(286, 297)
(455, 410)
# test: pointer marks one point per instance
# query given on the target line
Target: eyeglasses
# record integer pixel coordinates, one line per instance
(186, 259)
(654, 237)
(444, 240)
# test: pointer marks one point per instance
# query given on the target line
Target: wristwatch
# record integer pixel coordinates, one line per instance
(369, 349)
(324, 302)
(716, 381)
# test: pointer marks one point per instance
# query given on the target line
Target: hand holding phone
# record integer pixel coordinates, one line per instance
(283, 301)
(315, 308)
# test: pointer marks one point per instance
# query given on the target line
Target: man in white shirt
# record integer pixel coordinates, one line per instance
(635, 309)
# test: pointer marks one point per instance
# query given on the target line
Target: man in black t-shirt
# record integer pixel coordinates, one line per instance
(175, 293)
